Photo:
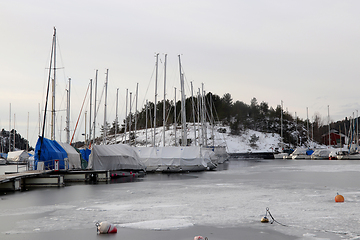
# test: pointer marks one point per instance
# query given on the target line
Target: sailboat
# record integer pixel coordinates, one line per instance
(174, 158)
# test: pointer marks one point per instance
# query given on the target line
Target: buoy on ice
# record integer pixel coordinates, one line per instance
(339, 198)
(200, 238)
(264, 220)
(105, 227)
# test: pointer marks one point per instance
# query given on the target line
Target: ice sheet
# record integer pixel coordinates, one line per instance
(299, 194)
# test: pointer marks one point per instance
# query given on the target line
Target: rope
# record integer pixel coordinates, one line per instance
(273, 219)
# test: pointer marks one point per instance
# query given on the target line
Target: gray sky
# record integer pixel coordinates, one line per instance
(302, 52)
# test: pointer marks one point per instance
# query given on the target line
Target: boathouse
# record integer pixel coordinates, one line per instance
(336, 138)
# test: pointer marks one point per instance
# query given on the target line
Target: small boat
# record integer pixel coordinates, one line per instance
(345, 155)
(301, 153)
(321, 154)
(284, 154)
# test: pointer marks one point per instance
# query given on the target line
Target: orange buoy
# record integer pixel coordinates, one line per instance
(339, 198)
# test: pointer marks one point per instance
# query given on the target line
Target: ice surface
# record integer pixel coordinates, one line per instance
(299, 194)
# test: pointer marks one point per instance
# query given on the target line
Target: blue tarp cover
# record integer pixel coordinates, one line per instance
(50, 151)
(85, 153)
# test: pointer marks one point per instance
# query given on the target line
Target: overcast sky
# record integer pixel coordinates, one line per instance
(305, 53)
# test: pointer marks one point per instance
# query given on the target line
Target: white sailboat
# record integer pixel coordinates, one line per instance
(174, 158)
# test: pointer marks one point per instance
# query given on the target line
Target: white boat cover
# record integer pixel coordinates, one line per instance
(73, 156)
(172, 158)
(18, 156)
(114, 157)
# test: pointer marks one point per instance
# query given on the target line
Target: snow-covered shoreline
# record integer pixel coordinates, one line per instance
(266, 142)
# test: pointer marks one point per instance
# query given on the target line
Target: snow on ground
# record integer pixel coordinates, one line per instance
(266, 142)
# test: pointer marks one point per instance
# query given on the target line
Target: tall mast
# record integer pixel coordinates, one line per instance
(39, 118)
(281, 127)
(90, 129)
(14, 133)
(94, 124)
(126, 105)
(10, 128)
(85, 130)
(53, 89)
(146, 122)
(136, 103)
(164, 101)
(183, 116)
(357, 128)
(27, 134)
(116, 117)
(130, 120)
(47, 95)
(156, 76)
(212, 121)
(68, 114)
(199, 118)
(307, 122)
(329, 125)
(204, 113)
(105, 105)
(175, 123)
(193, 110)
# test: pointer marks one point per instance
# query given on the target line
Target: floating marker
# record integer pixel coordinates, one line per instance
(264, 220)
(105, 227)
(339, 198)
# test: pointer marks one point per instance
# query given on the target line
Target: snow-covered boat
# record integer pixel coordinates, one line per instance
(174, 159)
(301, 153)
(321, 154)
(114, 157)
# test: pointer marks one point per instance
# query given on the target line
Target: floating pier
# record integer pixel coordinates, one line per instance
(49, 178)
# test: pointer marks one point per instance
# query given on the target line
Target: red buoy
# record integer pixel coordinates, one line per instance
(339, 198)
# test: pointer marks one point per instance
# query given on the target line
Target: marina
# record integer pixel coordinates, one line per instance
(221, 204)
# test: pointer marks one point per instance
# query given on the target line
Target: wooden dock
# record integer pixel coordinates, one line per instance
(49, 178)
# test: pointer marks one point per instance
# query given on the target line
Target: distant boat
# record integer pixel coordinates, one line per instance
(301, 153)
(321, 154)
(283, 154)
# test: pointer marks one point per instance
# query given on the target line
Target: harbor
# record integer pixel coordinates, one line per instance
(219, 204)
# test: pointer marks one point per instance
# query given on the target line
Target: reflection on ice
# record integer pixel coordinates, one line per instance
(299, 194)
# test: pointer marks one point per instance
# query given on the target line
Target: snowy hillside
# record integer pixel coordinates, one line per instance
(261, 142)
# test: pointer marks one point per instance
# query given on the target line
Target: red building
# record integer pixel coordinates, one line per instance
(335, 138)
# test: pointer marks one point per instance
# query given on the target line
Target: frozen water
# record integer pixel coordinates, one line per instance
(299, 194)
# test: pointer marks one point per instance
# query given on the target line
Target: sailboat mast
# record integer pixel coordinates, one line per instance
(146, 122)
(193, 110)
(126, 105)
(212, 121)
(27, 134)
(329, 125)
(156, 76)
(116, 118)
(47, 94)
(164, 101)
(307, 123)
(14, 133)
(130, 119)
(175, 123)
(10, 128)
(183, 116)
(200, 118)
(94, 124)
(136, 111)
(105, 105)
(53, 90)
(204, 114)
(281, 127)
(90, 129)
(68, 114)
